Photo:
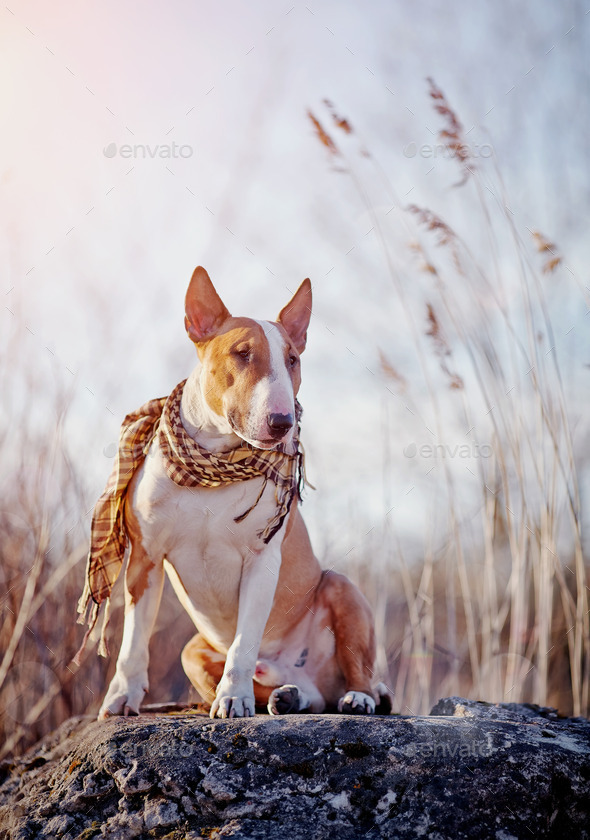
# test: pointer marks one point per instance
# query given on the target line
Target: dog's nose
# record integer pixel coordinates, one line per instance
(279, 424)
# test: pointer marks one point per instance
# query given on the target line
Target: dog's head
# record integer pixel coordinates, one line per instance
(250, 369)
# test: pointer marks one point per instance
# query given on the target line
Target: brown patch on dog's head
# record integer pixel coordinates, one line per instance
(233, 362)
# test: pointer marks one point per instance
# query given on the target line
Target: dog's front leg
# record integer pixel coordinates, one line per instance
(235, 692)
(143, 591)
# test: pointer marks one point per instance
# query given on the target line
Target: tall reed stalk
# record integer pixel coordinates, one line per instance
(520, 629)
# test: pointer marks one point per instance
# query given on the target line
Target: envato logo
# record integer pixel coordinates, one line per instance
(174, 749)
(443, 450)
(441, 150)
(139, 150)
(476, 748)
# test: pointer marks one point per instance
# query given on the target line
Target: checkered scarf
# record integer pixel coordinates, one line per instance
(188, 465)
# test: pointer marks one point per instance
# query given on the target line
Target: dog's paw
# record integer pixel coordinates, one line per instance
(284, 700)
(384, 699)
(123, 698)
(225, 706)
(356, 703)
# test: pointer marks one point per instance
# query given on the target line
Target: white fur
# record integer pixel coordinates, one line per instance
(212, 430)
(357, 698)
(273, 394)
(130, 681)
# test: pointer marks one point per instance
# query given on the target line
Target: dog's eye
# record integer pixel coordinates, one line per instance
(293, 360)
(243, 353)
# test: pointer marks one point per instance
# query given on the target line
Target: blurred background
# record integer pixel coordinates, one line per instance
(443, 224)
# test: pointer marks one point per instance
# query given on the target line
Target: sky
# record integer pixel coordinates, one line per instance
(140, 140)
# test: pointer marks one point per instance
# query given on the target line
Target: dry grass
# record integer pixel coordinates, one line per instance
(500, 609)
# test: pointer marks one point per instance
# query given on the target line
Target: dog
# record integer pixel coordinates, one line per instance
(274, 629)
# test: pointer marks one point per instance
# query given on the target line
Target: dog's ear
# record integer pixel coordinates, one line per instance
(294, 317)
(205, 312)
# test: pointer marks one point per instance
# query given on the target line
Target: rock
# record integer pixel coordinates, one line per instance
(159, 812)
(469, 770)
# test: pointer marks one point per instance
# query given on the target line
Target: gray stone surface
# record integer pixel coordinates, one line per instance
(470, 770)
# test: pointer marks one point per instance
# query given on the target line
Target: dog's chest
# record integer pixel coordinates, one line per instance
(196, 530)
